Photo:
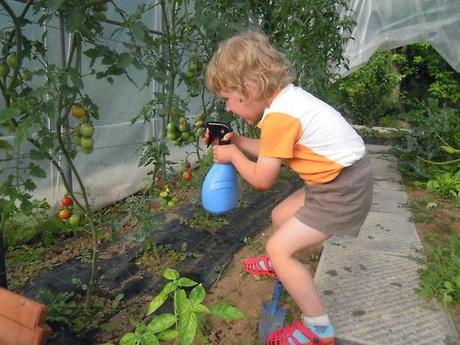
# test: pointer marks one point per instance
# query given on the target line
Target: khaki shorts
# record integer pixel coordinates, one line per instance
(340, 206)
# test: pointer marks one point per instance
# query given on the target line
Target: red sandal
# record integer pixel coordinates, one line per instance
(259, 265)
(299, 334)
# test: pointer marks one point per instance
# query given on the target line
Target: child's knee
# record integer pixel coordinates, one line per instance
(272, 248)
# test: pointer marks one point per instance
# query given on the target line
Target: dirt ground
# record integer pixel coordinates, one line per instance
(248, 293)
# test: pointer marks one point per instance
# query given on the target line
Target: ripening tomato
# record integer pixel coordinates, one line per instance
(64, 214)
(78, 111)
(67, 201)
(187, 165)
(187, 176)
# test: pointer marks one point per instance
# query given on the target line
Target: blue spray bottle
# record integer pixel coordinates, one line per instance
(220, 193)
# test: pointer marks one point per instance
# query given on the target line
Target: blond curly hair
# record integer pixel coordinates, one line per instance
(245, 58)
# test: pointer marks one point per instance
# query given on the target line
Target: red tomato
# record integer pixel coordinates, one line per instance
(67, 201)
(187, 165)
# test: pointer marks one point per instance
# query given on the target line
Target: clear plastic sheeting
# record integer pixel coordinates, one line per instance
(387, 24)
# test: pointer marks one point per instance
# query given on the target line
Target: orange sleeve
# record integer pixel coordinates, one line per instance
(278, 135)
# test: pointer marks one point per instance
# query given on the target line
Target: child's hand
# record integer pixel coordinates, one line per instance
(228, 136)
(224, 153)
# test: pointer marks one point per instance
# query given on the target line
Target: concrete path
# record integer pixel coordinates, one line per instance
(368, 283)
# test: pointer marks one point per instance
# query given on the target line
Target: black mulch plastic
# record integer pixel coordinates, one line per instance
(118, 273)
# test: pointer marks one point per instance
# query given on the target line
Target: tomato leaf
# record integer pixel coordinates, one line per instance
(36, 171)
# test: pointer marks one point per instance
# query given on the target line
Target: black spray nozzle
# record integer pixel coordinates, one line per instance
(217, 131)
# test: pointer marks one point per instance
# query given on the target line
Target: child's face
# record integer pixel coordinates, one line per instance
(248, 109)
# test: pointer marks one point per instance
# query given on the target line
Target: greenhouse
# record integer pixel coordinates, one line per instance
(164, 166)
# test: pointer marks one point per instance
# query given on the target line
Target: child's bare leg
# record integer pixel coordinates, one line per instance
(286, 208)
(290, 237)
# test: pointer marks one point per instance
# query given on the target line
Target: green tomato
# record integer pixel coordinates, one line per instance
(4, 70)
(74, 219)
(171, 127)
(12, 61)
(86, 143)
(171, 203)
(26, 75)
(171, 135)
(199, 132)
(182, 127)
(163, 194)
(193, 67)
(86, 130)
(87, 150)
(185, 136)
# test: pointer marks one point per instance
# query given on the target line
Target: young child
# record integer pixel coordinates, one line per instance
(253, 80)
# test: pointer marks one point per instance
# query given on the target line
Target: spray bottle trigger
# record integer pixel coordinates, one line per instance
(217, 131)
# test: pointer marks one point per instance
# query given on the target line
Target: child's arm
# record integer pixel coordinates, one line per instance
(261, 174)
(248, 145)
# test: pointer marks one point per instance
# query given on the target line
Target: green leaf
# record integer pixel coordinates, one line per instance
(4, 145)
(149, 339)
(169, 287)
(138, 30)
(226, 312)
(162, 323)
(156, 302)
(124, 60)
(54, 5)
(37, 155)
(168, 335)
(29, 185)
(74, 19)
(200, 308)
(187, 328)
(9, 113)
(129, 339)
(76, 80)
(36, 171)
(186, 282)
(170, 274)
(182, 303)
(197, 295)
